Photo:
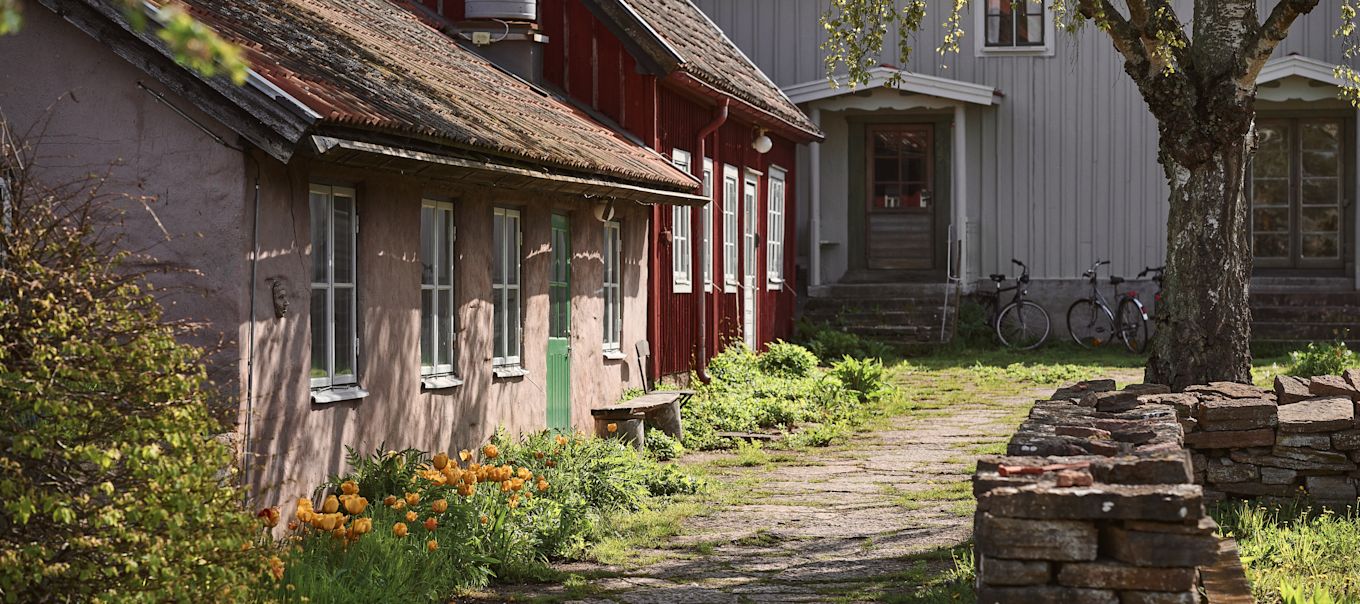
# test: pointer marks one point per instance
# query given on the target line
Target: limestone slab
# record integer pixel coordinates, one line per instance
(1318, 414)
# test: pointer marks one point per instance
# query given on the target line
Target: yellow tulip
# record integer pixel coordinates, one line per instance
(490, 451)
(399, 504)
(465, 454)
(525, 473)
(514, 501)
(349, 487)
(356, 505)
(440, 506)
(561, 440)
(399, 529)
(362, 525)
(441, 460)
(331, 504)
(339, 532)
(276, 568)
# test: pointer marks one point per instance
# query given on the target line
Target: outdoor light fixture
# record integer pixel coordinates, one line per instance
(762, 144)
(604, 210)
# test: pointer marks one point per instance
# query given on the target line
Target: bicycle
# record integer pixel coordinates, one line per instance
(1132, 316)
(1021, 324)
(1092, 324)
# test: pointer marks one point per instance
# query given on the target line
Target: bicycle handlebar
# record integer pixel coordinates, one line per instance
(1091, 272)
(1159, 270)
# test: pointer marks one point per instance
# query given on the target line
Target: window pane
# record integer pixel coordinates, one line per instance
(1031, 30)
(1270, 192)
(344, 239)
(445, 245)
(512, 322)
(445, 323)
(993, 31)
(428, 242)
(512, 250)
(320, 344)
(1321, 163)
(1320, 246)
(498, 322)
(426, 328)
(1006, 28)
(320, 237)
(1271, 246)
(344, 334)
(1271, 220)
(1321, 191)
(1321, 220)
(498, 248)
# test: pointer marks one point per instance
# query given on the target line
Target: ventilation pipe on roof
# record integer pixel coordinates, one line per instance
(506, 33)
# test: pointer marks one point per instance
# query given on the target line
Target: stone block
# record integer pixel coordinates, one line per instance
(1112, 575)
(1160, 549)
(1226, 470)
(1297, 459)
(1232, 439)
(1184, 404)
(1188, 424)
(1346, 440)
(1310, 455)
(1271, 475)
(1330, 487)
(1160, 468)
(1254, 489)
(1166, 503)
(1111, 402)
(1332, 385)
(1082, 432)
(1203, 526)
(1352, 377)
(1290, 389)
(1024, 539)
(1147, 389)
(1080, 389)
(1224, 582)
(1159, 597)
(1236, 414)
(1044, 594)
(997, 571)
(1227, 390)
(1305, 440)
(1318, 414)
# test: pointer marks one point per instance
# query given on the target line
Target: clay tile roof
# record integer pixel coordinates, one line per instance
(374, 65)
(708, 55)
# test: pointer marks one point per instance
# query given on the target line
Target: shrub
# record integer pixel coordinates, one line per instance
(865, 377)
(662, 446)
(112, 485)
(782, 359)
(1331, 358)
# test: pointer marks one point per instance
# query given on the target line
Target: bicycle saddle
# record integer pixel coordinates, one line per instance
(1116, 280)
(998, 278)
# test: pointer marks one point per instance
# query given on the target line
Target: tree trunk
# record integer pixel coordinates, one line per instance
(1204, 320)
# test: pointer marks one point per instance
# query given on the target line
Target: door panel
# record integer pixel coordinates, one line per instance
(559, 326)
(750, 247)
(900, 209)
(1297, 194)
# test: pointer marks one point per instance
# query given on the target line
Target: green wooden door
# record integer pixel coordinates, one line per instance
(559, 326)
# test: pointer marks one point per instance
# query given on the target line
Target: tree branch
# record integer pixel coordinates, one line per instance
(1125, 36)
(1273, 31)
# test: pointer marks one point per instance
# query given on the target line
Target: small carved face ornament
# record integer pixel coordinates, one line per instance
(279, 292)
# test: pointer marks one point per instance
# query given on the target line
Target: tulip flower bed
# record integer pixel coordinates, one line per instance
(409, 527)
(782, 391)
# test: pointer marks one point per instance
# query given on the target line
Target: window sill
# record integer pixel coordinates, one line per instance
(1015, 51)
(506, 372)
(682, 288)
(775, 284)
(335, 395)
(440, 382)
(614, 355)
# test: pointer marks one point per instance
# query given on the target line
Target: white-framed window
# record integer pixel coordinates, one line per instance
(334, 303)
(774, 232)
(1013, 27)
(682, 252)
(613, 292)
(706, 216)
(438, 310)
(505, 290)
(731, 197)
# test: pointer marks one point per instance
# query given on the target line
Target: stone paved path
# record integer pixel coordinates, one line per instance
(861, 522)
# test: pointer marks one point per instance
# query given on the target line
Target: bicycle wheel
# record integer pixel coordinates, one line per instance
(1091, 325)
(1023, 325)
(1133, 329)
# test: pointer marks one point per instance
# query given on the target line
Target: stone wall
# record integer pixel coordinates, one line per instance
(1299, 441)
(1096, 503)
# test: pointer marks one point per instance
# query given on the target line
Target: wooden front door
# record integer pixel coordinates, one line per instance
(559, 326)
(750, 247)
(1297, 190)
(900, 211)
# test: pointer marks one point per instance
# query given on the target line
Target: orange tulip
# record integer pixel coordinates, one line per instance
(525, 473)
(542, 485)
(276, 568)
(356, 505)
(431, 545)
(411, 516)
(611, 427)
(440, 506)
(399, 504)
(269, 516)
(349, 487)
(331, 504)
(514, 501)
(441, 460)
(412, 498)
(431, 523)
(484, 519)
(293, 525)
(389, 500)
(516, 484)
(362, 525)
(399, 529)
(538, 455)
(490, 451)
(340, 532)
(550, 463)
(561, 440)
(465, 455)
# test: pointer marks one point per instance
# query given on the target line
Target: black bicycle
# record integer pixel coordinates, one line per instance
(1021, 324)
(1092, 323)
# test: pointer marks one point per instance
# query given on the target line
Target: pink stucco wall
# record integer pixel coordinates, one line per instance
(87, 102)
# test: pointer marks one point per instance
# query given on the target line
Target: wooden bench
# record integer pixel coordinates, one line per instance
(660, 408)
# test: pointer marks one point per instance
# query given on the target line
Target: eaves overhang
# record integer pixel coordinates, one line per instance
(879, 77)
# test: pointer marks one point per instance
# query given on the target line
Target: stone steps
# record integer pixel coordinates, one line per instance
(1303, 315)
(907, 313)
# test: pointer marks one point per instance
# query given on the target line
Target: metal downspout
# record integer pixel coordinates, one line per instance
(697, 166)
(250, 360)
(815, 192)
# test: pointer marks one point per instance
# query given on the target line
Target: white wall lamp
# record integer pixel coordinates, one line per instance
(604, 210)
(762, 143)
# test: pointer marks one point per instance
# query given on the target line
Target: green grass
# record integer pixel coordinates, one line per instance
(1295, 546)
(625, 536)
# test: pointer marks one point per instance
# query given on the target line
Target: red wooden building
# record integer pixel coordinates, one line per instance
(664, 73)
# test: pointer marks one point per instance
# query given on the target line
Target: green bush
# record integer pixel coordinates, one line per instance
(111, 483)
(973, 329)
(865, 377)
(782, 359)
(1330, 358)
(828, 343)
(662, 446)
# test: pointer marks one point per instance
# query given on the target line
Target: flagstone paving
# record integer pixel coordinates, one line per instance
(868, 521)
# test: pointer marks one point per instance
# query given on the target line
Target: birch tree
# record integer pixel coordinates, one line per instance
(1199, 83)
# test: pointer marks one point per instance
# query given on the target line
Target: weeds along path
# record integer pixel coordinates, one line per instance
(878, 519)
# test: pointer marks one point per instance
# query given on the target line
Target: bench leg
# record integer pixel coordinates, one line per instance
(667, 420)
(628, 430)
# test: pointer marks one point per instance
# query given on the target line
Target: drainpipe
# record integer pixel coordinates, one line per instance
(704, 256)
(815, 190)
(250, 360)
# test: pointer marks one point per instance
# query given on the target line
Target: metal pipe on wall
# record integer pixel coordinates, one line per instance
(704, 256)
(815, 190)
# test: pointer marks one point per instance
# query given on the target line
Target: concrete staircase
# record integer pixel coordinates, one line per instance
(1303, 309)
(901, 313)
